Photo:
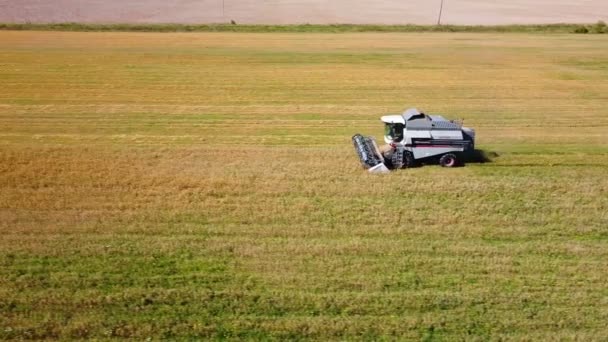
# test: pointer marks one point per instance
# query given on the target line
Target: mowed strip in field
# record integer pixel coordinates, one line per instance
(204, 185)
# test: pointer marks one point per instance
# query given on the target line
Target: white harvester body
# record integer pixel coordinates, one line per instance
(415, 136)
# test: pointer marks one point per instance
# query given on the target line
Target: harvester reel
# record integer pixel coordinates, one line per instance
(367, 151)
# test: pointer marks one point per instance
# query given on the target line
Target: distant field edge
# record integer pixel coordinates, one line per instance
(599, 27)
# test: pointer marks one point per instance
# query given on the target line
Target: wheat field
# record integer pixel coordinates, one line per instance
(203, 185)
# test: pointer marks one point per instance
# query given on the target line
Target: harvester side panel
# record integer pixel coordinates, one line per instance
(436, 150)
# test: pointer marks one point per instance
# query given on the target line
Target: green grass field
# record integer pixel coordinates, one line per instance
(203, 185)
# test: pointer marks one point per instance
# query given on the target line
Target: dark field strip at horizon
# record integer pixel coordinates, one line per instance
(307, 28)
(204, 186)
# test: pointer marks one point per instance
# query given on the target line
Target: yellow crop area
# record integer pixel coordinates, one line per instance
(204, 185)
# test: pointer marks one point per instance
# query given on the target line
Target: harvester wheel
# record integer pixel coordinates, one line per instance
(449, 160)
(408, 159)
(397, 159)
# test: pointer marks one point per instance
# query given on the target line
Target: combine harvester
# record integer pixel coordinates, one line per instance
(412, 138)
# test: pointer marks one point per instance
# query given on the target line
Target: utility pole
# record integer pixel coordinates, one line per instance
(224, 10)
(440, 10)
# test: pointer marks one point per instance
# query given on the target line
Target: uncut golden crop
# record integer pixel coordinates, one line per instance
(184, 185)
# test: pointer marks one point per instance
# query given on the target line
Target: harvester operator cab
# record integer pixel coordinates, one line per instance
(394, 131)
(394, 126)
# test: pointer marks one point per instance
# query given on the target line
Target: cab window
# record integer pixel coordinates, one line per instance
(394, 131)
